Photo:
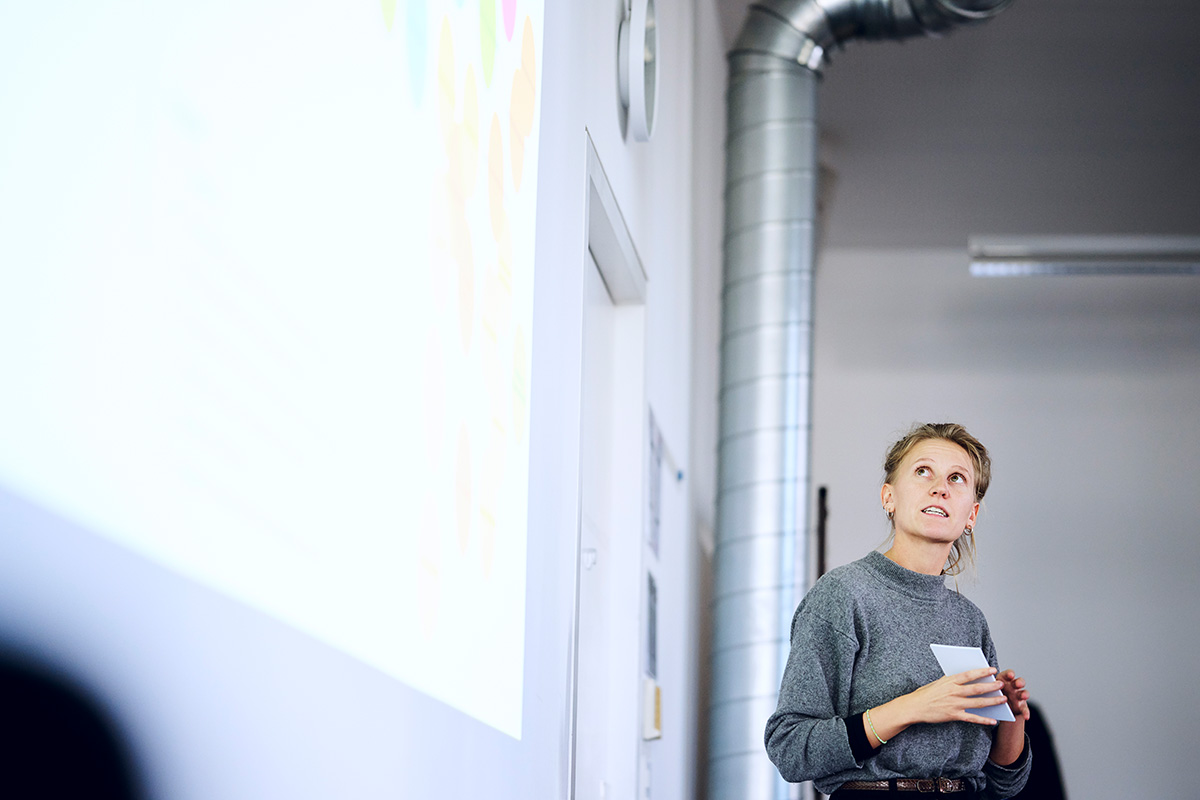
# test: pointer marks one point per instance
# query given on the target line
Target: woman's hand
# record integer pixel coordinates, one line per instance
(1010, 736)
(955, 697)
(947, 699)
(1015, 694)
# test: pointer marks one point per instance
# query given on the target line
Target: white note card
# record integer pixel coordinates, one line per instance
(954, 659)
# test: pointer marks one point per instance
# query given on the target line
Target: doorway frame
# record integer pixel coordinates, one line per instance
(610, 244)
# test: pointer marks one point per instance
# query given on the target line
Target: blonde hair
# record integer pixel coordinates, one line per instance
(962, 552)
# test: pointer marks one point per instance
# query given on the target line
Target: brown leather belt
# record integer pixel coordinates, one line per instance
(924, 785)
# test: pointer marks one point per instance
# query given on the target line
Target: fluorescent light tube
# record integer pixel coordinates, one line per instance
(1008, 256)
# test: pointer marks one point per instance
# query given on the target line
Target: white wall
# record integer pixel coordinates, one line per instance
(654, 187)
(216, 700)
(1085, 391)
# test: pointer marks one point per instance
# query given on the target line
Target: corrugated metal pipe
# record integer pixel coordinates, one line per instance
(766, 353)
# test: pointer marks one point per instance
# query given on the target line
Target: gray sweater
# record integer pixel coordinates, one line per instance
(859, 639)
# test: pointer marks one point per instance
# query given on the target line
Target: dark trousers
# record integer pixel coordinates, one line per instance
(893, 794)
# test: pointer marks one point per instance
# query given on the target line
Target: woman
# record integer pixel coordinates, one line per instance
(863, 707)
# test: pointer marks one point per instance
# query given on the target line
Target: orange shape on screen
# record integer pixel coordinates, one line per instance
(522, 103)
(496, 178)
(527, 54)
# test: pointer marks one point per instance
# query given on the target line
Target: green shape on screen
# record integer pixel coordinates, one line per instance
(487, 37)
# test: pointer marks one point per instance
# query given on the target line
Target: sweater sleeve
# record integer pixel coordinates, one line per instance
(860, 745)
(806, 737)
(1007, 781)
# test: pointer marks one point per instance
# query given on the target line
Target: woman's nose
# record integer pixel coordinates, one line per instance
(939, 488)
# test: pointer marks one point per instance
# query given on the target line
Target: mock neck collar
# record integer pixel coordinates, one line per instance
(913, 584)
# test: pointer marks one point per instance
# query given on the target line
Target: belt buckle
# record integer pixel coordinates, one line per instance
(926, 785)
(945, 785)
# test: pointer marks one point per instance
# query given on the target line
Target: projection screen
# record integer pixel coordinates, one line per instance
(266, 306)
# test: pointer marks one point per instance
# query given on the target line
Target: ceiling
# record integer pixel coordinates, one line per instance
(1057, 117)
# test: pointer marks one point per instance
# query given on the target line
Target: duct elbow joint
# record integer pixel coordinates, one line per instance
(805, 31)
(934, 16)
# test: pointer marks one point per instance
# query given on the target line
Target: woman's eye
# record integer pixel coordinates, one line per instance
(958, 478)
(922, 471)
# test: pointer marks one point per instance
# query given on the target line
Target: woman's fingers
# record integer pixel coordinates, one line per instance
(972, 689)
(983, 701)
(973, 675)
(1010, 679)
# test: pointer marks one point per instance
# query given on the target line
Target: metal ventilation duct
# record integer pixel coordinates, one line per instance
(766, 352)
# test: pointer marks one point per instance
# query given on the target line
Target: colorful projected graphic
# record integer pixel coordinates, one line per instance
(266, 286)
(480, 239)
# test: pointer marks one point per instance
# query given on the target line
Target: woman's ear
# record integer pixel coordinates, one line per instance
(885, 497)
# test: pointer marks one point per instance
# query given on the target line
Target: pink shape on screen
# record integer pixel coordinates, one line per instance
(510, 17)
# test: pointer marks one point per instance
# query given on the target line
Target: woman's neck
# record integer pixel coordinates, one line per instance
(925, 557)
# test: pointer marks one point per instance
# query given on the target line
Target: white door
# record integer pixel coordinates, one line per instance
(607, 678)
(592, 770)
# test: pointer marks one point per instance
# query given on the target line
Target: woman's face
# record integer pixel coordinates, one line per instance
(933, 492)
